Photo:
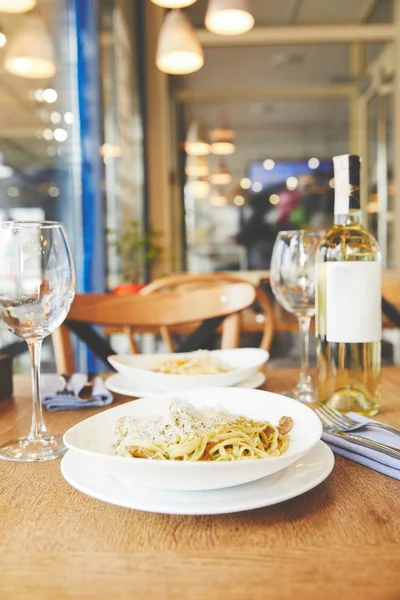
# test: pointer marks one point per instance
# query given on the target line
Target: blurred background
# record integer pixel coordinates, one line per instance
(94, 133)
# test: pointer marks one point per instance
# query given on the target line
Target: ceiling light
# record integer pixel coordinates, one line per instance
(245, 183)
(199, 187)
(313, 163)
(53, 191)
(222, 140)
(3, 39)
(30, 51)
(178, 50)
(221, 175)
(13, 191)
(69, 118)
(5, 171)
(274, 199)
(268, 164)
(55, 117)
(332, 183)
(60, 134)
(218, 199)
(238, 200)
(16, 6)
(38, 95)
(197, 166)
(256, 186)
(229, 17)
(173, 3)
(48, 134)
(196, 140)
(49, 95)
(292, 183)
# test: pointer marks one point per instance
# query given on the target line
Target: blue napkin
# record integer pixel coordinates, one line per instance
(54, 399)
(365, 456)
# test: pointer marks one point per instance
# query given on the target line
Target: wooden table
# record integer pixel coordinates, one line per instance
(340, 540)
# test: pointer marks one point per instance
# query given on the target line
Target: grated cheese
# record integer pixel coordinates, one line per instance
(180, 418)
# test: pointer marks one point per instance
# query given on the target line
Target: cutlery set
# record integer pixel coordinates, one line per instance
(86, 391)
(338, 425)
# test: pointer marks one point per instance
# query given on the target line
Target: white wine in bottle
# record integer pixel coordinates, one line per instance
(348, 303)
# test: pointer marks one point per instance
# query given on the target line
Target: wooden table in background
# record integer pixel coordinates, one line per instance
(340, 540)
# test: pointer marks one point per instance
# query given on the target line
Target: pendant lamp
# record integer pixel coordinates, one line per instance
(30, 51)
(173, 3)
(196, 166)
(222, 140)
(197, 140)
(179, 51)
(221, 176)
(199, 187)
(16, 6)
(217, 198)
(229, 17)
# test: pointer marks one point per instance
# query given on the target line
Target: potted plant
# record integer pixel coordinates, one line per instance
(137, 249)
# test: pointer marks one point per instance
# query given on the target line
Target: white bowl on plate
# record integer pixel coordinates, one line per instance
(138, 368)
(94, 437)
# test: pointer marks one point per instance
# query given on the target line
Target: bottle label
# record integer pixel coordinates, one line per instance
(353, 302)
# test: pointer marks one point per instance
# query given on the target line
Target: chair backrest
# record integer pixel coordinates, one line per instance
(173, 308)
(191, 281)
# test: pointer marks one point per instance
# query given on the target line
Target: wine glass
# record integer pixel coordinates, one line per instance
(37, 286)
(293, 284)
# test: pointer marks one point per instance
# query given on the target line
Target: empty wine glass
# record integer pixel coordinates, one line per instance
(293, 284)
(37, 286)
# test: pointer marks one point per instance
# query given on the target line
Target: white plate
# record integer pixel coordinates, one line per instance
(95, 436)
(300, 477)
(118, 384)
(138, 368)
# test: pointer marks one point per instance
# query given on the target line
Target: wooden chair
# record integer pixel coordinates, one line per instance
(163, 310)
(191, 281)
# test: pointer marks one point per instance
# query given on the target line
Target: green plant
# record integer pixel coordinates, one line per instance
(136, 248)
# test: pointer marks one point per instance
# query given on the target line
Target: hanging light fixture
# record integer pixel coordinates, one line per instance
(217, 198)
(196, 140)
(197, 166)
(221, 140)
(16, 6)
(199, 187)
(178, 51)
(229, 17)
(30, 51)
(221, 176)
(173, 3)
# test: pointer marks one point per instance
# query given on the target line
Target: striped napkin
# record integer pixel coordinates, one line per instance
(53, 398)
(365, 456)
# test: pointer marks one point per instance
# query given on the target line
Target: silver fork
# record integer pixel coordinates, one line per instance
(344, 423)
(330, 427)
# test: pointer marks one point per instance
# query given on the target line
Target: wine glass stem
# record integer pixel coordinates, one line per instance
(304, 324)
(38, 427)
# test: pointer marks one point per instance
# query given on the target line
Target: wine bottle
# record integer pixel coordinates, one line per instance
(348, 303)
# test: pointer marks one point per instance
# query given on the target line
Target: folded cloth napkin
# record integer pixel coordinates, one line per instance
(54, 398)
(374, 459)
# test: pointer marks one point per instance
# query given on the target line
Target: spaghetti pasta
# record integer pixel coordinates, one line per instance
(223, 438)
(201, 362)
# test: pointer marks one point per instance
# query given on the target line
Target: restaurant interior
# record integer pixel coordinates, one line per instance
(186, 147)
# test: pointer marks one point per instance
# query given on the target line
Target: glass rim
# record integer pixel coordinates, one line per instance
(31, 224)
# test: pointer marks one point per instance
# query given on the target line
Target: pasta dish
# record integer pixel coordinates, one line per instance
(201, 362)
(186, 433)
